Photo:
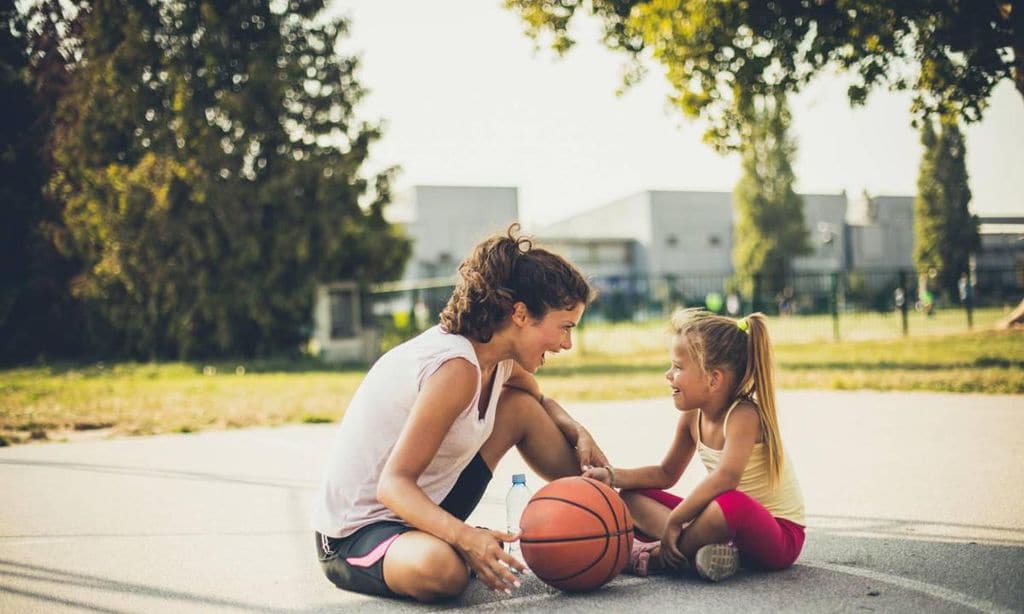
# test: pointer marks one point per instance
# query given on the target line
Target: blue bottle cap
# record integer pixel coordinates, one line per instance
(519, 478)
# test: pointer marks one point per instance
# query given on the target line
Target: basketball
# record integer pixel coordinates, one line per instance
(576, 534)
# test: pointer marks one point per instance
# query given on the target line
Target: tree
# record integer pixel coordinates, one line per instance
(208, 162)
(945, 232)
(719, 55)
(33, 274)
(770, 229)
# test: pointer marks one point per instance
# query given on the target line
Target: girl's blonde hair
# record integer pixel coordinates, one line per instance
(743, 347)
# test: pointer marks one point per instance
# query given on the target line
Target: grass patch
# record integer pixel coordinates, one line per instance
(987, 362)
(68, 400)
(147, 398)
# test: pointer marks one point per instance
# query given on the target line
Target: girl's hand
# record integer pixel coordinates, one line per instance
(482, 551)
(587, 450)
(600, 474)
(671, 556)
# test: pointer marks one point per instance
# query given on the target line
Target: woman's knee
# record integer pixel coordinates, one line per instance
(445, 575)
(515, 411)
(425, 569)
(438, 575)
(513, 400)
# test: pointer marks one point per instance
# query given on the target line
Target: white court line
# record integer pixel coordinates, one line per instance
(932, 590)
(529, 599)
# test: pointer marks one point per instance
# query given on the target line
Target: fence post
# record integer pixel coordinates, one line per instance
(902, 303)
(967, 298)
(414, 326)
(835, 306)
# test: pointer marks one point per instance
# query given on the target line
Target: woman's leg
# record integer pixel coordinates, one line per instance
(424, 567)
(520, 421)
(392, 560)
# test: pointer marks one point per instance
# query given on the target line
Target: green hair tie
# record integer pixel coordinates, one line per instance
(743, 325)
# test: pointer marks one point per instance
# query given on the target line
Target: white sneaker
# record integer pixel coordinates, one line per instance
(716, 562)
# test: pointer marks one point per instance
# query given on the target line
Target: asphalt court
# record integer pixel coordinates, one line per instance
(913, 504)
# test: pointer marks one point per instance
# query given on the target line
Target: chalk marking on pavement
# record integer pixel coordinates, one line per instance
(529, 599)
(940, 592)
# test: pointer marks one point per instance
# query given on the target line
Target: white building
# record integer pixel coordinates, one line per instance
(654, 233)
(1002, 243)
(881, 233)
(825, 219)
(689, 234)
(1000, 261)
(445, 222)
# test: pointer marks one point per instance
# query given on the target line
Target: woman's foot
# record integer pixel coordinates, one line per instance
(641, 556)
(716, 562)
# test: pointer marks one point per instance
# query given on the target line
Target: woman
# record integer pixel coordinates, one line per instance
(424, 431)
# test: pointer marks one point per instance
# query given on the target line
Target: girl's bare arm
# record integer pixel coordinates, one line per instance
(663, 475)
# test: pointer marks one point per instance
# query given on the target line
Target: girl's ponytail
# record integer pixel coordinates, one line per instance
(759, 383)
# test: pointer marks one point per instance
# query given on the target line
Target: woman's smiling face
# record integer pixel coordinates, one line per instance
(552, 333)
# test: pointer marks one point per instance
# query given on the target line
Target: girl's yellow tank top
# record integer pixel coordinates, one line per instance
(784, 501)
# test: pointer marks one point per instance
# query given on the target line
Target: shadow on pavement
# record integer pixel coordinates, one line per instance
(34, 573)
(173, 474)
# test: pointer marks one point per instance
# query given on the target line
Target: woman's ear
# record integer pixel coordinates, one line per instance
(519, 313)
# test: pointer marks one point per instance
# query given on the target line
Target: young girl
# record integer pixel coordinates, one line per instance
(422, 434)
(749, 506)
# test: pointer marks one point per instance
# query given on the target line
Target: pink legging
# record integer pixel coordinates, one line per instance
(764, 541)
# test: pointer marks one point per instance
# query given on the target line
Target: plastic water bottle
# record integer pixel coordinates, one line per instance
(515, 502)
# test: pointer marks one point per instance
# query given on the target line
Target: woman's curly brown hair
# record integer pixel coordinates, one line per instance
(505, 269)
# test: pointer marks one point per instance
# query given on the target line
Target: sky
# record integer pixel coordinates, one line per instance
(468, 99)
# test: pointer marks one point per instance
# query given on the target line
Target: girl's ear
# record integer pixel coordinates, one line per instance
(717, 377)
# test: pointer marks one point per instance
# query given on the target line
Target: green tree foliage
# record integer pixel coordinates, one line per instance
(33, 274)
(945, 232)
(721, 54)
(770, 229)
(208, 162)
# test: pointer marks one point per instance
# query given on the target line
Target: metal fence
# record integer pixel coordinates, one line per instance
(827, 306)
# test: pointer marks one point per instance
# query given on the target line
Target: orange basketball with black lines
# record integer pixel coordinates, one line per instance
(576, 534)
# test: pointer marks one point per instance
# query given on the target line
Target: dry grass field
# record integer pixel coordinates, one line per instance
(69, 401)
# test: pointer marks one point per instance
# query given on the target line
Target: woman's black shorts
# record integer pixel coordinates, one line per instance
(356, 562)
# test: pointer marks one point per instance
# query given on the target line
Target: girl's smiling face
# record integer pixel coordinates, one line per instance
(690, 385)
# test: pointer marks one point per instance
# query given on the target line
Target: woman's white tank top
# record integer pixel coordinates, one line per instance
(347, 497)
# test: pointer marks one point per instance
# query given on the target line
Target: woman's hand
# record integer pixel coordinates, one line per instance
(671, 556)
(601, 474)
(482, 551)
(587, 450)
